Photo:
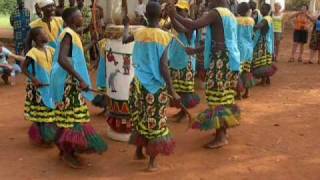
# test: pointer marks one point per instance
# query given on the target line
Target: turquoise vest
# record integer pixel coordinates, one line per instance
(59, 75)
(178, 58)
(230, 37)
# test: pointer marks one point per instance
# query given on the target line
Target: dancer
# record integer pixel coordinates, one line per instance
(150, 88)
(245, 45)
(37, 67)
(222, 62)
(263, 67)
(182, 66)
(315, 40)
(69, 85)
(51, 25)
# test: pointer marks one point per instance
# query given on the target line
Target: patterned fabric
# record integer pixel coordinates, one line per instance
(20, 20)
(262, 61)
(34, 109)
(43, 129)
(75, 134)
(73, 109)
(246, 79)
(149, 120)
(221, 81)
(183, 80)
(86, 37)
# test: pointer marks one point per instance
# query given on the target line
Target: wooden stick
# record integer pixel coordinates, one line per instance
(185, 110)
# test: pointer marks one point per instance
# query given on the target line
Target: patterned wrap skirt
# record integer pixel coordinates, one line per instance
(262, 61)
(150, 128)
(221, 84)
(75, 133)
(43, 129)
(246, 79)
(183, 83)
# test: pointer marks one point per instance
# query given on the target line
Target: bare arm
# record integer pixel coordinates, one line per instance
(127, 38)
(28, 42)
(17, 57)
(191, 51)
(25, 71)
(164, 68)
(179, 27)
(260, 25)
(205, 20)
(64, 58)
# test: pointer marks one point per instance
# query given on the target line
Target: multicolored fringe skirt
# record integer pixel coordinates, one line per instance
(246, 79)
(262, 61)
(149, 120)
(43, 130)
(183, 83)
(75, 133)
(220, 92)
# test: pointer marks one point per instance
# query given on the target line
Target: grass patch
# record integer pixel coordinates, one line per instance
(5, 21)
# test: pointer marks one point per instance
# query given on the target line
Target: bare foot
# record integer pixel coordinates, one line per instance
(152, 167)
(72, 161)
(140, 157)
(216, 143)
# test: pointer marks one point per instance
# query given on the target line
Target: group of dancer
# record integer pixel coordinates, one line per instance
(237, 51)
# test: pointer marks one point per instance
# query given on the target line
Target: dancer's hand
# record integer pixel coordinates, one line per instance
(176, 100)
(171, 10)
(83, 86)
(37, 83)
(189, 50)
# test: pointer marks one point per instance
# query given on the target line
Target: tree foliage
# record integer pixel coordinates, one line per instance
(297, 4)
(7, 6)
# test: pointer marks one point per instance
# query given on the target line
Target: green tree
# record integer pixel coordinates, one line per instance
(7, 6)
(296, 4)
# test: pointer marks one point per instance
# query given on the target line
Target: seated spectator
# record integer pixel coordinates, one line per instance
(7, 69)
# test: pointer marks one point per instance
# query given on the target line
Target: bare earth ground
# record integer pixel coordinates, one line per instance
(278, 139)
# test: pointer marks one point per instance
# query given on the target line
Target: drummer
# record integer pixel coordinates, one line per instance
(49, 23)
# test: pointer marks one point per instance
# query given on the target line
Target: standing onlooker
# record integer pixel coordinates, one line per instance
(72, 3)
(315, 40)
(277, 19)
(140, 11)
(20, 20)
(38, 13)
(60, 8)
(300, 35)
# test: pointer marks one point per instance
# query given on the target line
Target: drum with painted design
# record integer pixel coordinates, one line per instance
(120, 73)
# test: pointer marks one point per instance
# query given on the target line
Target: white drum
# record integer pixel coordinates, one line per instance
(120, 73)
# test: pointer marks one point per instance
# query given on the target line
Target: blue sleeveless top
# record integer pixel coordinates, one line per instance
(178, 58)
(59, 75)
(150, 44)
(245, 38)
(230, 38)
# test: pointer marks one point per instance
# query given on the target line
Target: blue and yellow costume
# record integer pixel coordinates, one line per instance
(56, 25)
(38, 101)
(72, 114)
(182, 69)
(245, 45)
(222, 68)
(263, 51)
(101, 73)
(148, 96)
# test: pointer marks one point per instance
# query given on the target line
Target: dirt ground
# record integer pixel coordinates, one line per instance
(278, 138)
